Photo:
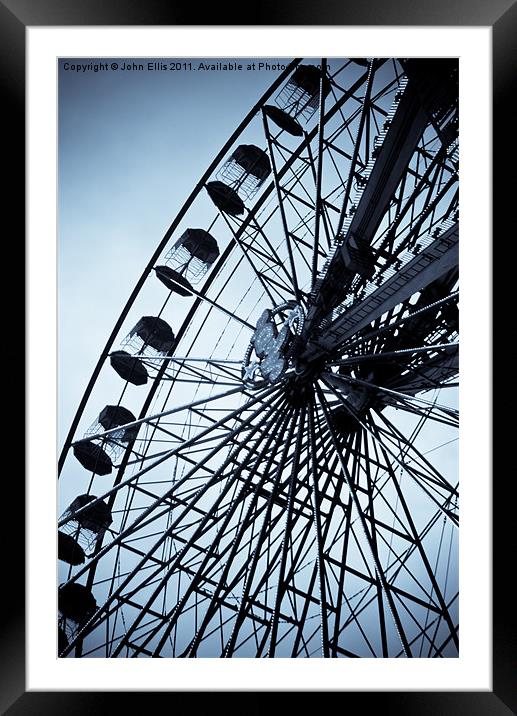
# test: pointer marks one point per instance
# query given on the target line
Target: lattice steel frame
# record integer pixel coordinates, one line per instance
(248, 523)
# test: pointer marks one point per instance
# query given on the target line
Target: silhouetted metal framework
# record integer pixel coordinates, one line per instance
(289, 487)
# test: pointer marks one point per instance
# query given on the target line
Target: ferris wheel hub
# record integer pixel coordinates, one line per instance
(275, 345)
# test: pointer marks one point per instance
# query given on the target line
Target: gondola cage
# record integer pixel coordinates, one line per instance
(298, 99)
(93, 457)
(114, 416)
(240, 177)
(76, 604)
(246, 170)
(78, 536)
(98, 457)
(129, 367)
(188, 260)
(152, 337)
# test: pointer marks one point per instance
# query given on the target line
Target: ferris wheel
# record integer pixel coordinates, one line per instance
(268, 467)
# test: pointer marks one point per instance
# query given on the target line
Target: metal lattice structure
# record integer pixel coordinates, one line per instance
(289, 487)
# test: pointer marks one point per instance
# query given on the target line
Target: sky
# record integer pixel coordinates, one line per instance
(132, 145)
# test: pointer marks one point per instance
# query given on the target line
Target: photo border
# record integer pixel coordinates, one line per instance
(502, 18)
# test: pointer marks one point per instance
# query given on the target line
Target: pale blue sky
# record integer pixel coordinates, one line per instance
(132, 145)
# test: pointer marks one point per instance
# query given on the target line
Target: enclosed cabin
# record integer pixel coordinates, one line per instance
(298, 99)
(115, 416)
(79, 535)
(109, 428)
(246, 170)
(151, 338)
(98, 454)
(76, 605)
(188, 261)
(240, 177)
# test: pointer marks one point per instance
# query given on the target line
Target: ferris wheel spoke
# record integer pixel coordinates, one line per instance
(418, 476)
(378, 567)
(316, 501)
(370, 513)
(322, 205)
(278, 263)
(188, 371)
(429, 479)
(335, 379)
(259, 275)
(254, 599)
(418, 544)
(271, 270)
(199, 381)
(231, 586)
(252, 567)
(435, 650)
(93, 621)
(320, 525)
(245, 425)
(219, 370)
(157, 416)
(226, 590)
(397, 561)
(429, 412)
(408, 448)
(324, 537)
(281, 585)
(390, 326)
(198, 575)
(365, 109)
(352, 94)
(303, 536)
(342, 571)
(205, 299)
(251, 514)
(452, 636)
(287, 237)
(302, 541)
(386, 355)
(193, 444)
(236, 547)
(436, 413)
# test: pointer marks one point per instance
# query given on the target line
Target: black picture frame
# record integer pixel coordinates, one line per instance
(501, 15)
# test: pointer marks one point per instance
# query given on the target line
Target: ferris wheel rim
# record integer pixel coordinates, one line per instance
(156, 382)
